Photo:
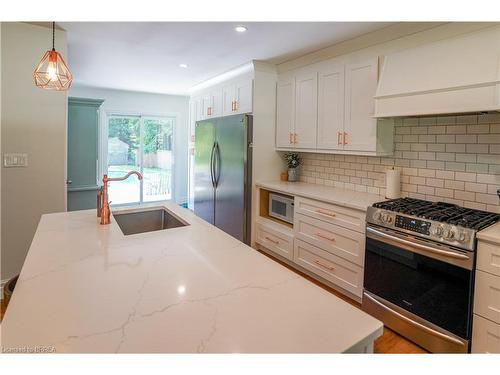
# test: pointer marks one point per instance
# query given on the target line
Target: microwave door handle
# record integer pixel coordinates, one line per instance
(418, 245)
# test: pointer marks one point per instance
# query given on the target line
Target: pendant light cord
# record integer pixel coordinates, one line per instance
(53, 36)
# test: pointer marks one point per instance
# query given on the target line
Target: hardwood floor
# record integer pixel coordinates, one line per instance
(390, 342)
(2, 309)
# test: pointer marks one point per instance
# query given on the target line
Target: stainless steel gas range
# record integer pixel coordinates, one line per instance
(419, 270)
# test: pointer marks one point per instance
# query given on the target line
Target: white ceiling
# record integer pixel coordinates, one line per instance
(145, 56)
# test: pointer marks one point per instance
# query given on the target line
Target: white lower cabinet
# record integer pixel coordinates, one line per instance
(343, 273)
(487, 296)
(327, 240)
(486, 322)
(485, 336)
(332, 213)
(336, 240)
(278, 240)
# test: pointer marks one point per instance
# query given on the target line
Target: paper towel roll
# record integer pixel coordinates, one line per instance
(393, 183)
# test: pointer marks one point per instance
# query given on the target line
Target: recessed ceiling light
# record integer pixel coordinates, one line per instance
(183, 65)
(240, 28)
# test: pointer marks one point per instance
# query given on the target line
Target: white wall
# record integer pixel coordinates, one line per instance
(33, 122)
(149, 104)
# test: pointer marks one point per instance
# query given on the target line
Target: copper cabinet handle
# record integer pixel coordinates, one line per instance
(325, 237)
(208, 111)
(323, 212)
(271, 240)
(338, 138)
(345, 138)
(324, 265)
(235, 105)
(295, 138)
(290, 136)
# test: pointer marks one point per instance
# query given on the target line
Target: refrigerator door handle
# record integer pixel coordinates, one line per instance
(212, 166)
(217, 164)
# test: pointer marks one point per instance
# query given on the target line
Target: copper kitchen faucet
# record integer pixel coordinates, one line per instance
(102, 196)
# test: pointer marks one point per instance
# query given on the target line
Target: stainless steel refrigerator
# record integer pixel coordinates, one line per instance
(222, 173)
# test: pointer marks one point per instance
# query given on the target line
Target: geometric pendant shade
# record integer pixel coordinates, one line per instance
(52, 72)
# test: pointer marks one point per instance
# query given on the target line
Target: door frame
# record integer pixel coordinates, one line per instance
(103, 145)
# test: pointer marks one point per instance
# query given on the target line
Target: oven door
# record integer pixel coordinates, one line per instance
(420, 286)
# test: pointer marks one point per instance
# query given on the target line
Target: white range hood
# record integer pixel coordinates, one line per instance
(456, 75)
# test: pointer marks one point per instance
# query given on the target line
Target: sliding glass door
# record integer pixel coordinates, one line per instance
(144, 144)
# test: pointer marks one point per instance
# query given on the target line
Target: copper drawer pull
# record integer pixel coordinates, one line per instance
(271, 240)
(323, 212)
(235, 105)
(338, 138)
(325, 237)
(291, 141)
(324, 265)
(345, 138)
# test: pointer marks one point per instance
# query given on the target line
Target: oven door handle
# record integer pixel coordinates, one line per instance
(410, 321)
(449, 254)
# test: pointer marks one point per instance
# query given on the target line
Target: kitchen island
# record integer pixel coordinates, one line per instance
(86, 287)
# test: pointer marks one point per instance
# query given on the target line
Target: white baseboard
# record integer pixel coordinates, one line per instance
(2, 284)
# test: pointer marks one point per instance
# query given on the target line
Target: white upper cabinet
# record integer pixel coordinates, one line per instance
(216, 103)
(331, 107)
(237, 97)
(228, 94)
(285, 112)
(333, 110)
(360, 130)
(243, 96)
(233, 97)
(306, 109)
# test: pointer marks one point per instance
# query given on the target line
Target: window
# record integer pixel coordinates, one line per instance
(144, 144)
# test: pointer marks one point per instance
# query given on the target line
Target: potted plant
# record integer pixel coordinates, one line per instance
(293, 161)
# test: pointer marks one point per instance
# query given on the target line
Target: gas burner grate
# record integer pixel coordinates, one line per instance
(440, 211)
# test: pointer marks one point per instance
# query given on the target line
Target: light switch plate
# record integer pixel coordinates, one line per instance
(15, 160)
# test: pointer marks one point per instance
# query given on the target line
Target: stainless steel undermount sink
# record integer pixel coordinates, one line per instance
(147, 220)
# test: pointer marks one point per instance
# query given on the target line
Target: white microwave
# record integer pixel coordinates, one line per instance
(281, 207)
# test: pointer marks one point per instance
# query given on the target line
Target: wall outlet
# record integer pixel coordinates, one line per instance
(15, 160)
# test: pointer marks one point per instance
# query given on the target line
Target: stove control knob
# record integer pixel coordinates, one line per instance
(437, 231)
(377, 216)
(449, 233)
(386, 218)
(461, 236)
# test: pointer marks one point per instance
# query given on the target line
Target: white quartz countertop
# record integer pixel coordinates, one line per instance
(348, 198)
(85, 287)
(491, 234)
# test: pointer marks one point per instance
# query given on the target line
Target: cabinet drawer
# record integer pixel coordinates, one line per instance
(488, 258)
(337, 240)
(330, 267)
(485, 336)
(487, 296)
(275, 240)
(342, 216)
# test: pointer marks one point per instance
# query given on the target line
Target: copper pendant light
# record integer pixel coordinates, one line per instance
(52, 72)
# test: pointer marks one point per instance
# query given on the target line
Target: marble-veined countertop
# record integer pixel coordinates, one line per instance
(85, 287)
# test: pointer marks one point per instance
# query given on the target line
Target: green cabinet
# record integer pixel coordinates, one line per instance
(83, 155)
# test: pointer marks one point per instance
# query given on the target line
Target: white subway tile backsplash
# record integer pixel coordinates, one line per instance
(449, 158)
